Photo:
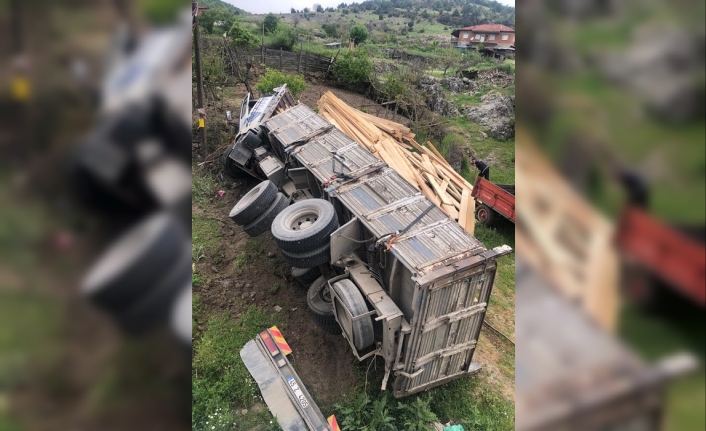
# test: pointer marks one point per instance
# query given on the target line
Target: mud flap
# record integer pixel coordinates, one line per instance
(281, 388)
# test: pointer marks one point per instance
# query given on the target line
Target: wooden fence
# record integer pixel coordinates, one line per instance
(300, 62)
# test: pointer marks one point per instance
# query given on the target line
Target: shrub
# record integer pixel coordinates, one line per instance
(274, 78)
(284, 38)
(353, 67)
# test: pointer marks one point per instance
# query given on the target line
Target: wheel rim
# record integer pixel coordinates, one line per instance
(249, 196)
(301, 219)
(482, 214)
(325, 295)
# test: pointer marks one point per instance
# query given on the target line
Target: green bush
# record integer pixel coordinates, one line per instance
(283, 38)
(274, 78)
(353, 67)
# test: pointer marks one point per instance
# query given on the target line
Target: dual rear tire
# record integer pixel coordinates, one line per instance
(256, 210)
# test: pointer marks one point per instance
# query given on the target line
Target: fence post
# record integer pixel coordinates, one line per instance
(299, 63)
(280, 58)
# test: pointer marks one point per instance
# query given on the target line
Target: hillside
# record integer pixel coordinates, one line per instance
(218, 4)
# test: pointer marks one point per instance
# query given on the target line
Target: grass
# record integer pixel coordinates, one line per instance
(203, 187)
(221, 385)
(205, 238)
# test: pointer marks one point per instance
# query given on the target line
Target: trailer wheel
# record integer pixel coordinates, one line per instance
(485, 214)
(254, 203)
(127, 270)
(318, 298)
(309, 259)
(306, 276)
(305, 226)
(360, 330)
(263, 222)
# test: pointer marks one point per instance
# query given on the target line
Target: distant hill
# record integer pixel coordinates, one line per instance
(222, 4)
(454, 13)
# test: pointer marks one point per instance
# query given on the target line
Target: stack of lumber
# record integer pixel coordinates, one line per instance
(424, 168)
(563, 237)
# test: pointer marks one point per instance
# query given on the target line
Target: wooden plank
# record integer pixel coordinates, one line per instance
(463, 211)
(435, 151)
(470, 224)
(446, 203)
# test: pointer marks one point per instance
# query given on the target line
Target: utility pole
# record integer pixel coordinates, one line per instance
(199, 78)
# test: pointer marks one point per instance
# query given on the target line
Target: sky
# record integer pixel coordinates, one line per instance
(280, 6)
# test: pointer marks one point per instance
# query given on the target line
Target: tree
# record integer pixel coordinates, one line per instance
(456, 14)
(271, 22)
(292, 10)
(380, 17)
(306, 10)
(216, 18)
(320, 9)
(359, 34)
(450, 58)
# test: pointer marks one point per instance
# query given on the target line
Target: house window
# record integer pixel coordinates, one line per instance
(506, 36)
(465, 35)
(491, 37)
(478, 36)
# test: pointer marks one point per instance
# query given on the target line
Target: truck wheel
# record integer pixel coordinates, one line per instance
(305, 226)
(306, 276)
(484, 214)
(127, 270)
(263, 222)
(318, 298)
(254, 203)
(229, 166)
(180, 318)
(309, 259)
(361, 330)
(155, 305)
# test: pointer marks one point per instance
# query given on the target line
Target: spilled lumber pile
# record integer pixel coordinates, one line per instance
(393, 143)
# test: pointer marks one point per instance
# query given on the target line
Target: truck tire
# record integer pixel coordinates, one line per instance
(309, 259)
(229, 165)
(306, 276)
(127, 270)
(180, 318)
(305, 225)
(359, 331)
(485, 214)
(263, 222)
(254, 203)
(318, 298)
(155, 305)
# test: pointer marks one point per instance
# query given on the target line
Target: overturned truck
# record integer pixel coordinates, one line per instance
(386, 267)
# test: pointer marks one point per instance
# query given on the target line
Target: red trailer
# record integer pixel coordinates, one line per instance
(493, 199)
(664, 252)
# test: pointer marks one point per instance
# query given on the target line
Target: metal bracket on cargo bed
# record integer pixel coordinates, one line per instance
(265, 357)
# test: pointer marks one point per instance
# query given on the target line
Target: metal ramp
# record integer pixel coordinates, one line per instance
(265, 357)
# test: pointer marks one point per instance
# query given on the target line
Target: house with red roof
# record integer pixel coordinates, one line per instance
(496, 38)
